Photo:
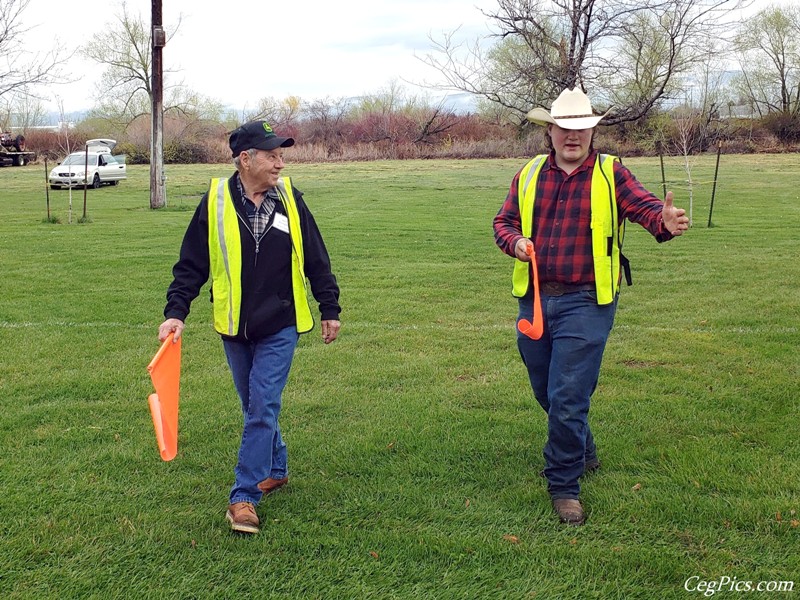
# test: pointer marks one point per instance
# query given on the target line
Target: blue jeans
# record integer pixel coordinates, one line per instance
(563, 367)
(260, 370)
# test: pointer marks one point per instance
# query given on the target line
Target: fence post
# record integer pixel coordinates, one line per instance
(714, 187)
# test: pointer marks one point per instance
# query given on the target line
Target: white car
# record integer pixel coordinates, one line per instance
(93, 166)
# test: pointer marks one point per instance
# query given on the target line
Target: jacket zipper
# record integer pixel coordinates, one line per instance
(255, 260)
(258, 246)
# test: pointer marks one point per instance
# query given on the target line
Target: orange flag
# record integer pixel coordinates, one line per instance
(535, 327)
(165, 371)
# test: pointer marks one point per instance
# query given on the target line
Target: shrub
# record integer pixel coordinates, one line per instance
(184, 152)
(409, 133)
(784, 126)
(134, 154)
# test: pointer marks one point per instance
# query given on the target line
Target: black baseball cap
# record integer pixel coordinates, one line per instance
(257, 134)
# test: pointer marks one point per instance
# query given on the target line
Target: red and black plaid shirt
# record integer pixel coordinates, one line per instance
(562, 235)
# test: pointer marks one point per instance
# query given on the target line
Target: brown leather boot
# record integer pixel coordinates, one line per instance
(242, 517)
(569, 511)
(269, 485)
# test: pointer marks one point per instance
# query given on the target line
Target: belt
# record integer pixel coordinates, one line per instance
(553, 288)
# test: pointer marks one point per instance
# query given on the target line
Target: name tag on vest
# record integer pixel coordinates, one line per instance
(281, 222)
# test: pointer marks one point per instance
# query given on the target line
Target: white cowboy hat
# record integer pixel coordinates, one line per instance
(571, 110)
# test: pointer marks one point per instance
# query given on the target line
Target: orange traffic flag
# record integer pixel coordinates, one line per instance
(535, 327)
(165, 371)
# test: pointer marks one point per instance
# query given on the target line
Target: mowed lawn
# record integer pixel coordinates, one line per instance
(414, 440)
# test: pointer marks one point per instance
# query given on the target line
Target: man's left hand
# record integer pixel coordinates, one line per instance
(330, 331)
(675, 219)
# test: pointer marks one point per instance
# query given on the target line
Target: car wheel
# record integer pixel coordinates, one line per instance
(96, 181)
(53, 187)
(115, 182)
(20, 161)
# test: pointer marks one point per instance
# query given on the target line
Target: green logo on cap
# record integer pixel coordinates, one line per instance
(267, 128)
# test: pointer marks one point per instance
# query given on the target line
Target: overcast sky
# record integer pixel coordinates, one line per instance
(239, 51)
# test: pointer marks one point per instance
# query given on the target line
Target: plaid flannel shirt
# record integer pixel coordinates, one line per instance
(259, 217)
(562, 235)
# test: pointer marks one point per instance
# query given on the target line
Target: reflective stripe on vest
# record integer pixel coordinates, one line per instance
(225, 254)
(606, 233)
(225, 258)
(302, 310)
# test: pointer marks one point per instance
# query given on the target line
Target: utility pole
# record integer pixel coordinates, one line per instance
(158, 196)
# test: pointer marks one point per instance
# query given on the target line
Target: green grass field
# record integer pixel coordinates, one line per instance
(414, 440)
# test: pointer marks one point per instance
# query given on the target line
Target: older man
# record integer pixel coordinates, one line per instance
(256, 239)
(567, 211)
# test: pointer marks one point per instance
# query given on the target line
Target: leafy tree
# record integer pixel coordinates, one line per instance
(514, 78)
(281, 114)
(386, 101)
(769, 55)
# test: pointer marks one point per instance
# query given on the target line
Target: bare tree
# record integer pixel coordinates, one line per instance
(21, 69)
(432, 122)
(21, 110)
(504, 74)
(324, 121)
(688, 125)
(695, 123)
(65, 143)
(628, 53)
(125, 88)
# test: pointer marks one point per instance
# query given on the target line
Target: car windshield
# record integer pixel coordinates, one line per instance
(79, 159)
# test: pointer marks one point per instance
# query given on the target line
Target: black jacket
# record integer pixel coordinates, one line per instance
(267, 298)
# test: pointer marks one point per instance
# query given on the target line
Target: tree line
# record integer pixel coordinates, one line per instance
(678, 75)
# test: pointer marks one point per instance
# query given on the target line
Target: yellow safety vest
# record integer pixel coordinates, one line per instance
(607, 235)
(225, 254)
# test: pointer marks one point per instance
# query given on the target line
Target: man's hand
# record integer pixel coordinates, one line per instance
(330, 330)
(521, 249)
(675, 219)
(168, 327)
